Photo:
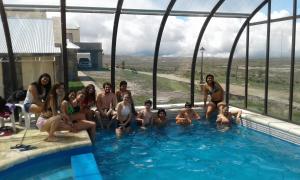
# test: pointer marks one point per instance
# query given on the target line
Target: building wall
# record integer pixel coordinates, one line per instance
(25, 15)
(75, 35)
(33, 67)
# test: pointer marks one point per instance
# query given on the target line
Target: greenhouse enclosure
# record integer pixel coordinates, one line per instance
(164, 50)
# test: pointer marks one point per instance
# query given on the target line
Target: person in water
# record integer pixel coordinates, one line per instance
(124, 114)
(225, 117)
(213, 89)
(186, 115)
(145, 116)
(161, 118)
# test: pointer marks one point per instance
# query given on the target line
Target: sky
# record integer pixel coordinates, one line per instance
(137, 34)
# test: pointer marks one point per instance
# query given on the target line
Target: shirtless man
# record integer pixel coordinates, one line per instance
(225, 116)
(145, 116)
(106, 103)
(186, 115)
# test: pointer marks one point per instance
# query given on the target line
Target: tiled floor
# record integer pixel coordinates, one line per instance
(34, 137)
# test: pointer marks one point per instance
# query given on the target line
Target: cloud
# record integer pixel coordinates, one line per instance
(137, 34)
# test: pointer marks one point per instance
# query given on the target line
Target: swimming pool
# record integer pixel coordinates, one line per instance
(175, 152)
(195, 152)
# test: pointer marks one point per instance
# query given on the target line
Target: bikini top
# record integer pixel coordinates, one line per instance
(213, 89)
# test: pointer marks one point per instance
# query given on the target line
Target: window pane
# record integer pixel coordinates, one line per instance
(279, 69)
(257, 60)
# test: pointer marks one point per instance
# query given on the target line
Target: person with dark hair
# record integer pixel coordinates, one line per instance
(122, 91)
(186, 115)
(124, 115)
(70, 107)
(37, 93)
(225, 117)
(106, 103)
(216, 93)
(50, 120)
(161, 118)
(89, 101)
(145, 116)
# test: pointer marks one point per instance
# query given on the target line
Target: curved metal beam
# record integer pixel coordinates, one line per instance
(9, 72)
(64, 43)
(114, 43)
(157, 45)
(193, 68)
(235, 44)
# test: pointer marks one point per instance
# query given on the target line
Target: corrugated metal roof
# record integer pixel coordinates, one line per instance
(30, 36)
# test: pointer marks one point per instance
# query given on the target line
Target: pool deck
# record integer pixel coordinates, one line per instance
(67, 141)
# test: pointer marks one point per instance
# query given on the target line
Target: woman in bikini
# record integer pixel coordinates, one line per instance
(124, 115)
(216, 93)
(50, 120)
(71, 108)
(89, 102)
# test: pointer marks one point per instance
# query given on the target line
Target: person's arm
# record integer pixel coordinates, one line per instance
(140, 116)
(180, 118)
(53, 105)
(114, 103)
(99, 104)
(119, 116)
(196, 116)
(128, 119)
(237, 115)
(33, 90)
(64, 110)
(151, 119)
(205, 93)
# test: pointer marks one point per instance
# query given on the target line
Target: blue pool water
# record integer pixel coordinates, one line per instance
(200, 151)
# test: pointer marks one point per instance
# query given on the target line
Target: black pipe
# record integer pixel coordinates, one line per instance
(196, 49)
(267, 60)
(9, 70)
(246, 67)
(114, 43)
(236, 40)
(156, 52)
(291, 98)
(64, 43)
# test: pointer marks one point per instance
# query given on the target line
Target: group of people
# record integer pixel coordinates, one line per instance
(84, 109)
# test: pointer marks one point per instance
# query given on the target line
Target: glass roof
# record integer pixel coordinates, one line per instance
(145, 4)
(194, 5)
(239, 6)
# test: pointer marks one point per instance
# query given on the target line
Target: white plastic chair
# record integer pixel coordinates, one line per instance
(27, 116)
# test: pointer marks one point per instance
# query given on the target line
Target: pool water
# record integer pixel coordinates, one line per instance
(199, 151)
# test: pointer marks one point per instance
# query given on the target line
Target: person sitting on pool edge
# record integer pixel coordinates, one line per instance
(124, 114)
(216, 92)
(145, 116)
(161, 118)
(225, 117)
(186, 115)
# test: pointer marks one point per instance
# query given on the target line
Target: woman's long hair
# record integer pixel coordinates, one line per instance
(39, 85)
(90, 96)
(52, 96)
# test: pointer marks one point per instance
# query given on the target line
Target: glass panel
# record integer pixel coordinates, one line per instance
(281, 8)
(146, 4)
(135, 49)
(261, 15)
(237, 75)
(194, 5)
(257, 61)
(217, 41)
(93, 3)
(35, 2)
(92, 33)
(296, 103)
(239, 6)
(279, 72)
